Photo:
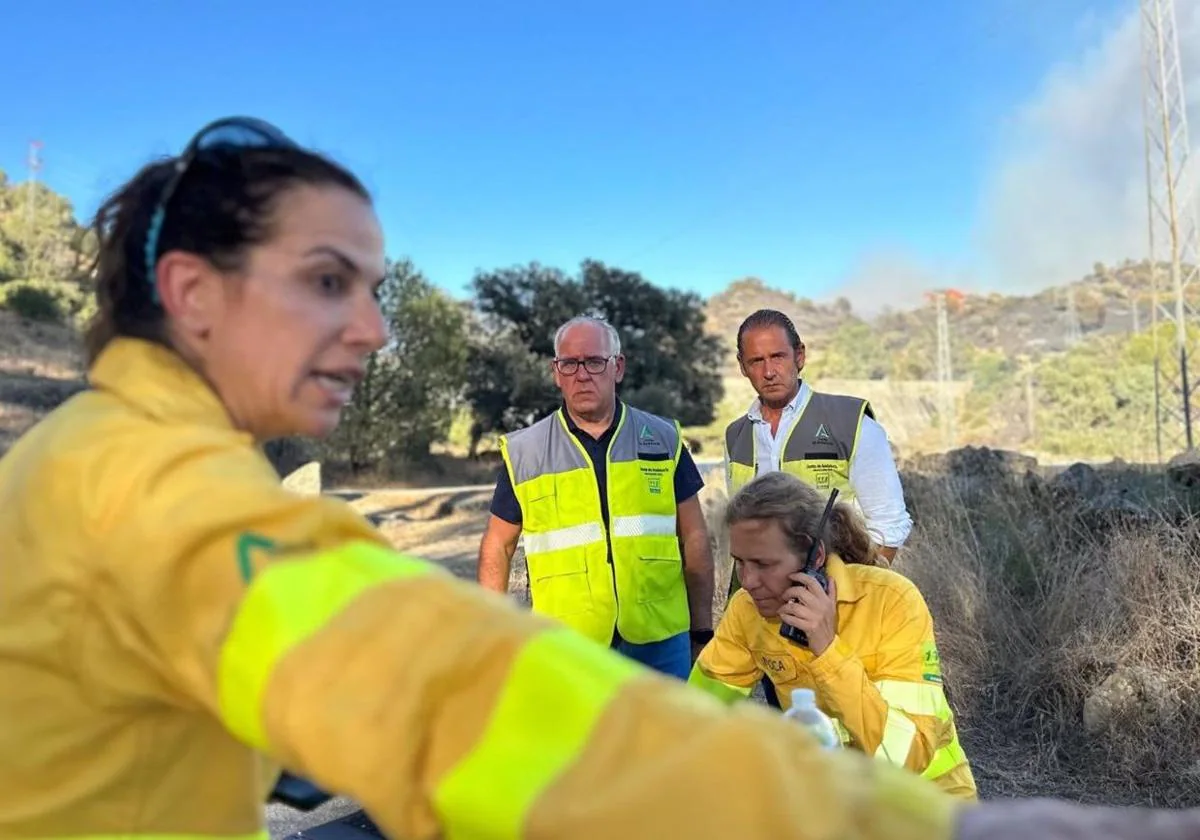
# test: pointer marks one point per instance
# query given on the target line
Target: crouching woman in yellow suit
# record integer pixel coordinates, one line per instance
(871, 656)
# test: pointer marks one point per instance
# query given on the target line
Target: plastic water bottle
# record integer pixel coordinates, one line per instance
(805, 712)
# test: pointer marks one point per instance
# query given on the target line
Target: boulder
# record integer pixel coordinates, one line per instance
(306, 480)
(1129, 695)
(972, 462)
(290, 454)
(1079, 481)
(1184, 469)
(1101, 499)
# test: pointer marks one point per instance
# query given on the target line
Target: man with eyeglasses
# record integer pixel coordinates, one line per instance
(605, 496)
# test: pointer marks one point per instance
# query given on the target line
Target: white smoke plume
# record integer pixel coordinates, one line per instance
(1067, 185)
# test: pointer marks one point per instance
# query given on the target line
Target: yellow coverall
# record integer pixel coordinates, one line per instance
(880, 679)
(174, 625)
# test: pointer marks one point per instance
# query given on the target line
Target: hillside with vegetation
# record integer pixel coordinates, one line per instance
(1064, 374)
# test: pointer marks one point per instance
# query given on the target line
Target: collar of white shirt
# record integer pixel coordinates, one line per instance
(794, 407)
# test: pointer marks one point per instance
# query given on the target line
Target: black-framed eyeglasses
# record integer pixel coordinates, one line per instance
(234, 132)
(594, 365)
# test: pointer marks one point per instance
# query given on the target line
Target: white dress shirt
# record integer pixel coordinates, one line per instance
(873, 474)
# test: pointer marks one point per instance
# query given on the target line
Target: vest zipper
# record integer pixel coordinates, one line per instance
(612, 565)
(607, 526)
(601, 498)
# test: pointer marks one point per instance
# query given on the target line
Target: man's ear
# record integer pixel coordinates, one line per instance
(190, 291)
(620, 364)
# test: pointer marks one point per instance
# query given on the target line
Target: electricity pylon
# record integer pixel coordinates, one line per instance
(943, 366)
(1172, 223)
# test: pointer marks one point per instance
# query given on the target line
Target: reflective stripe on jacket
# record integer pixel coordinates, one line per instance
(642, 592)
(169, 615)
(881, 679)
(818, 450)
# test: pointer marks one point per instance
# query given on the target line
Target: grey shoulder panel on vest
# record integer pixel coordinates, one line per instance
(645, 435)
(544, 447)
(838, 403)
(827, 428)
(739, 440)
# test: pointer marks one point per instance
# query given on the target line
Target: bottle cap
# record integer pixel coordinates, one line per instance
(804, 697)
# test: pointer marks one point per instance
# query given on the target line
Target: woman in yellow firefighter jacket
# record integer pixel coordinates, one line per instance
(870, 656)
(174, 624)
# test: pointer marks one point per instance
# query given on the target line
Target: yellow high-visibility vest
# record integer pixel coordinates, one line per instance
(641, 593)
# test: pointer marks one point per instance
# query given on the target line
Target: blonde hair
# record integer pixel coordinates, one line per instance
(797, 507)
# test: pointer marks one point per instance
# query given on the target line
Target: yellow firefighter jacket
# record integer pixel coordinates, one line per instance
(171, 619)
(880, 679)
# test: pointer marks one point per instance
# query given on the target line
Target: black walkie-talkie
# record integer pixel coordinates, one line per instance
(795, 634)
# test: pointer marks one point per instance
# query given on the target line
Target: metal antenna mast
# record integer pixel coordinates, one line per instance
(945, 371)
(1172, 222)
(1071, 319)
(35, 164)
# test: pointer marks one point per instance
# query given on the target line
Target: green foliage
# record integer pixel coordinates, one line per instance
(509, 385)
(1097, 400)
(672, 364)
(532, 301)
(43, 254)
(407, 400)
(35, 301)
(672, 367)
(47, 300)
(852, 351)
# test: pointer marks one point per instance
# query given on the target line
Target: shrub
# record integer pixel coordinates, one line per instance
(53, 301)
(1069, 625)
(35, 301)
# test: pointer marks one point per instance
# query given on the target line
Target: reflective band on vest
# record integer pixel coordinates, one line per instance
(721, 690)
(286, 603)
(642, 593)
(899, 730)
(557, 689)
(817, 451)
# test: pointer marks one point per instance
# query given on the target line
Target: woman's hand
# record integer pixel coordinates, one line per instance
(808, 607)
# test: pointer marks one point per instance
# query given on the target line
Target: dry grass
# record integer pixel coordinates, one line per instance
(438, 470)
(40, 366)
(32, 348)
(1070, 633)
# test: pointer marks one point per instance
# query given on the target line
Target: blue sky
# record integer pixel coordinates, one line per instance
(686, 140)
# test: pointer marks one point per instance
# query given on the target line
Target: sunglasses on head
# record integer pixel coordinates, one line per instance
(230, 132)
